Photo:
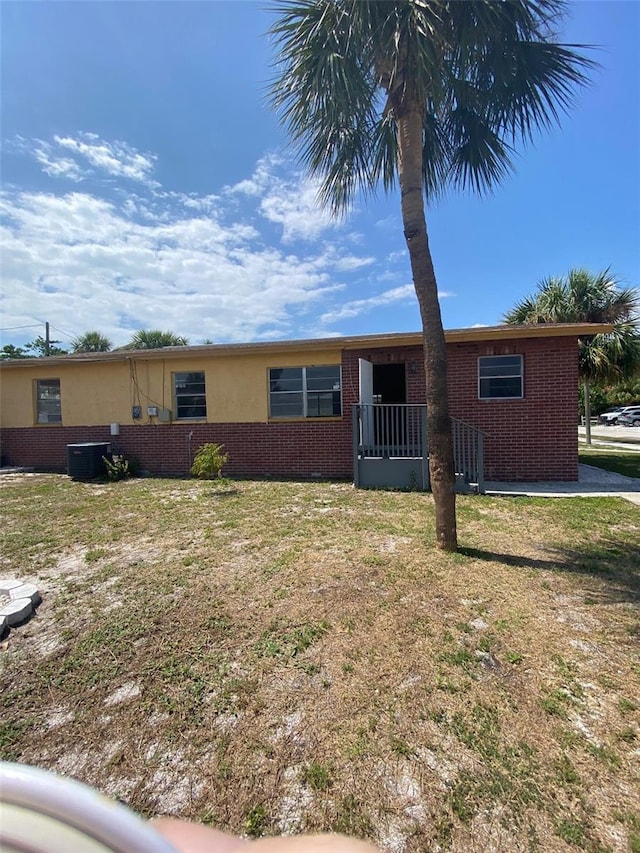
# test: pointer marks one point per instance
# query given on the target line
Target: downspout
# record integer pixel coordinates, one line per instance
(189, 460)
(587, 412)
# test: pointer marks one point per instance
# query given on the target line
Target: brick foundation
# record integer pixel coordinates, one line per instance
(302, 450)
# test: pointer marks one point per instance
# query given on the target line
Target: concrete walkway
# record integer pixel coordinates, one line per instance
(620, 437)
(592, 482)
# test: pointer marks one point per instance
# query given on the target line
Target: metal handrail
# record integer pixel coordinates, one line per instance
(399, 430)
(468, 452)
(391, 430)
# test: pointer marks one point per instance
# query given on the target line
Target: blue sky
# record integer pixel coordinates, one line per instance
(147, 184)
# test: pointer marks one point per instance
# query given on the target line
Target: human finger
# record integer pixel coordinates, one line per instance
(195, 838)
(190, 837)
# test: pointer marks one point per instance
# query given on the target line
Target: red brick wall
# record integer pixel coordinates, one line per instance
(529, 439)
(300, 449)
(525, 440)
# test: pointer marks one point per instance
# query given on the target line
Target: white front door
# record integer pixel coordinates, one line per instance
(365, 375)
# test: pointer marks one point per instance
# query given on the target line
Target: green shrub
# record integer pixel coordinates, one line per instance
(118, 467)
(209, 462)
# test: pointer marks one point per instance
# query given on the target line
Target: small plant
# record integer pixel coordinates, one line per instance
(605, 754)
(255, 821)
(566, 772)
(351, 819)
(627, 735)
(552, 703)
(117, 468)
(209, 462)
(571, 832)
(626, 705)
(318, 776)
(401, 748)
(10, 737)
(95, 554)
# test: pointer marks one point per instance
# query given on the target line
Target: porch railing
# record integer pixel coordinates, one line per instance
(468, 453)
(392, 430)
(395, 430)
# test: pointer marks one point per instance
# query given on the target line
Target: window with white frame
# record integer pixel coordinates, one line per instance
(305, 392)
(500, 377)
(190, 395)
(48, 401)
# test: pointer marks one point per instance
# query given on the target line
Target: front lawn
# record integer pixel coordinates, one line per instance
(620, 462)
(278, 657)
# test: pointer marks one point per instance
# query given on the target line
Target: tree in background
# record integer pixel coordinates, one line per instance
(155, 339)
(11, 351)
(622, 393)
(91, 342)
(584, 297)
(40, 348)
(431, 95)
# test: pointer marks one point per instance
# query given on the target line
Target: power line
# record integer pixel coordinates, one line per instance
(13, 328)
(67, 335)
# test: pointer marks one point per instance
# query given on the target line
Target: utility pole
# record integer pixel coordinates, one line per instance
(47, 339)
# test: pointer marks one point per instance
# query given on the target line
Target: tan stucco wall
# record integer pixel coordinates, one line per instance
(102, 393)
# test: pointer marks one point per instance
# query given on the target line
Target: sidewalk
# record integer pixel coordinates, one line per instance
(592, 482)
(624, 438)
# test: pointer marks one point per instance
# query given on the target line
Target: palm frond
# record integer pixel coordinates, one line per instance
(325, 92)
(584, 297)
(482, 74)
(480, 159)
(611, 357)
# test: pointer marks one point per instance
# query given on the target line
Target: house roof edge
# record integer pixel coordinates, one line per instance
(376, 341)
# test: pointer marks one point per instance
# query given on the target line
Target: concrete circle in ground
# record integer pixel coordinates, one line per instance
(7, 584)
(16, 611)
(26, 590)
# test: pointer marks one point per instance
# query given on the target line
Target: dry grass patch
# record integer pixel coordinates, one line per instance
(280, 657)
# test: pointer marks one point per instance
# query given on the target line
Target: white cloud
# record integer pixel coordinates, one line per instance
(349, 263)
(115, 158)
(361, 306)
(58, 167)
(299, 213)
(261, 179)
(205, 266)
(388, 224)
(83, 262)
(86, 155)
(388, 297)
(291, 202)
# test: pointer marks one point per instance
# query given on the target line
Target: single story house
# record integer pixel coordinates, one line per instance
(347, 407)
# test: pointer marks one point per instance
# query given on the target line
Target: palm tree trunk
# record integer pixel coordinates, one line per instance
(441, 462)
(587, 411)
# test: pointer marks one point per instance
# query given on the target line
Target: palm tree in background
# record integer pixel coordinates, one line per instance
(155, 339)
(432, 94)
(91, 342)
(584, 297)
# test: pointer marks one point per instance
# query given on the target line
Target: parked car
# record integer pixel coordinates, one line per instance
(612, 416)
(630, 416)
